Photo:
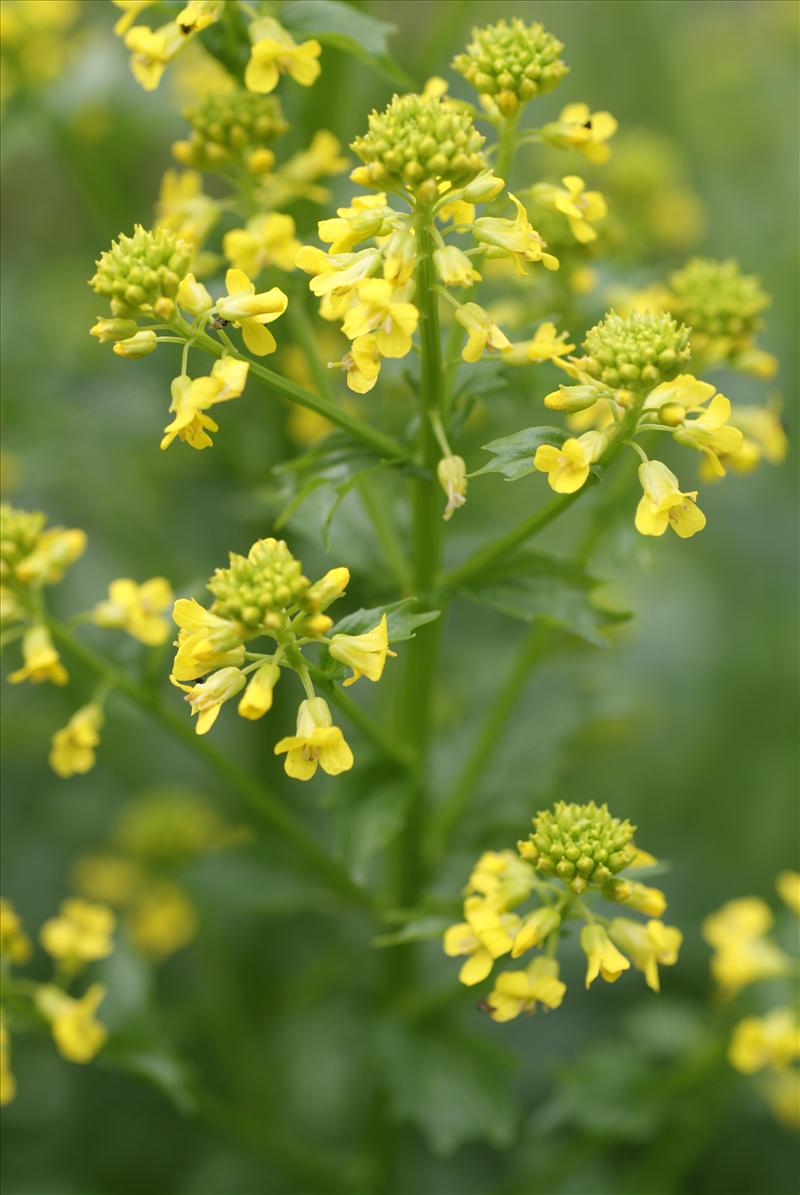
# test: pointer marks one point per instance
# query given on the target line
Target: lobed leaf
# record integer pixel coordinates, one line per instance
(513, 455)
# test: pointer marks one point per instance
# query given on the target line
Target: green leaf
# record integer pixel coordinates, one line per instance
(531, 585)
(453, 1087)
(335, 465)
(158, 1065)
(401, 618)
(513, 455)
(419, 929)
(347, 29)
(371, 824)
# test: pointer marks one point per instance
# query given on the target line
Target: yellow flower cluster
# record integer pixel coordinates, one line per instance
(38, 39)
(266, 594)
(273, 51)
(767, 1045)
(628, 385)
(575, 854)
(81, 934)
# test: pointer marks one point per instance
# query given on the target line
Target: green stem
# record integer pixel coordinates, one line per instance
(238, 779)
(506, 149)
(417, 692)
(456, 801)
(488, 555)
(385, 445)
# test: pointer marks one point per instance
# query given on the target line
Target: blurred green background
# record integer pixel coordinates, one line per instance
(687, 725)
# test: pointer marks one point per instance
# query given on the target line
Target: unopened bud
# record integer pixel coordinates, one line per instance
(452, 474)
(113, 329)
(572, 398)
(140, 345)
(330, 587)
(672, 414)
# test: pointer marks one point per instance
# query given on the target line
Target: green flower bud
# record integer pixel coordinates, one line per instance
(583, 845)
(141, 344)
(237, 124)
(140, 274)
(640, 351)
(420, 142)
(257, 589)
(717, 301)
(512, 63)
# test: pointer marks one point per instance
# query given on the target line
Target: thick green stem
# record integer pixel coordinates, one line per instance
(488, 555)
(256, 794)
(506, 148)
(457, 800)
(417, 693)
(385, 445)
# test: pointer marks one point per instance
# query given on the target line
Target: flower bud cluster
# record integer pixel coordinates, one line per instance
(266, 594)
(232, 127)
(140, 274)
(418, 143)
(573, 856)
(512, 62)
(723, 307)
(642, 350)
(581, 844)
(256, 589)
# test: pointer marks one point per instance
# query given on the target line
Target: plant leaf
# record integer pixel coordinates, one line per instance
(371, 823)
(513, 455)
(419, 929)
(531, 585)
(401, 618)
(347, 29)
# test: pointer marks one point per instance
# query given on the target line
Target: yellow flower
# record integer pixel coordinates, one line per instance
(266, 240)
(81, 933)
(640, 897)
(663, 504)
(72, 752)
(487, 934)
(335, 273)
(41, 661)
(317, 742)
(788, 888)
(708, 433)
(604, 958)
(367, 216)
(758, 1042)
(207, 699)
(8, 1084)
(362, 364)
(547, 344)
(579, 128)
(152, 50)
(535, 928)
(581, 207)
(77, 1033)
(257, 697)
(162, 920)
(56, 549)
(137, 609)
(14, 943)
(365, 654)
(764, 437)
(516, 992)
(742, 954)
(454, 267)
(482, 333)
(131, 10)
(502, 877)
(275, 53)
(190, 424)
(451, 473)
(205, 641)
(184, 208)
(567, 467)
(251, 311)
(198, 15)
(378, 310)
(191, 398)
(193, 297)
(516, 238)
(648, 945)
